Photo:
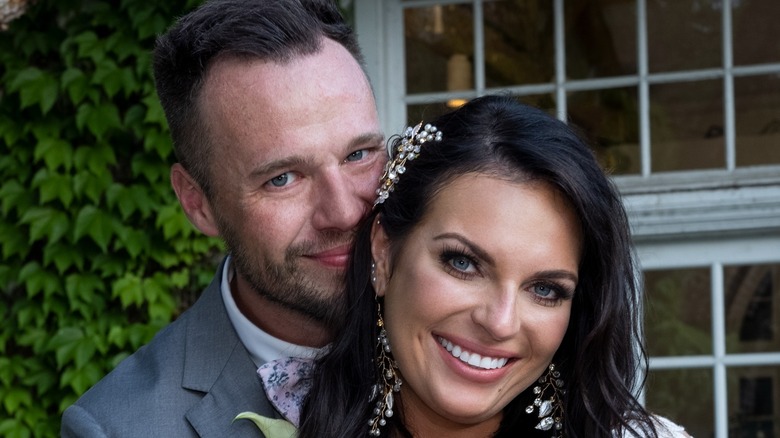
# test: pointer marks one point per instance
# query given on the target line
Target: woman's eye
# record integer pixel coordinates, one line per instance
(543, 290)
(357, 155)
(461, 263)
(281, 180)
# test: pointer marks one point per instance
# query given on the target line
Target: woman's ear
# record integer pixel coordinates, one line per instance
(380, 254)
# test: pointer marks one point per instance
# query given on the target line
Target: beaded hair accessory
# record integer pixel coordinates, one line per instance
(408, 148)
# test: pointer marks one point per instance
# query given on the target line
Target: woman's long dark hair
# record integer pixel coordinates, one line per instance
(600, 357)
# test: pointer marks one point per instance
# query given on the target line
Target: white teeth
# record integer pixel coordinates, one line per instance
(473, 359)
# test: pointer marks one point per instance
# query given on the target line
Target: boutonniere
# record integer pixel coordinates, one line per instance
(271, 427)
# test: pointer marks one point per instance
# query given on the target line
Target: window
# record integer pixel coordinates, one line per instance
(680, 101)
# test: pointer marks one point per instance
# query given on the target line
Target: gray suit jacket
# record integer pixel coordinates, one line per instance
(191, 380)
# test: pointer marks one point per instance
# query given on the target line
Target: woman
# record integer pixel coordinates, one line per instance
(493, 292)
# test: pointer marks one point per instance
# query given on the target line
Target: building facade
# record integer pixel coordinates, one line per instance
(681, 101)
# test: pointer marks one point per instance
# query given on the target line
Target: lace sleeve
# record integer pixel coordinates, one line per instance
(665, 428)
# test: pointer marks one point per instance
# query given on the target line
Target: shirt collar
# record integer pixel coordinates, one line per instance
(262, 346)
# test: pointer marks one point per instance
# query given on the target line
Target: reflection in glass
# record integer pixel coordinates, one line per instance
(757, 101)
(610, 120)
(683, 34)
(753, 21)
(600, 38)
(439, 48)
(752, 293)
(686, 126)
(754, 402)
(685, 397)
(519, 43)
(677, 312)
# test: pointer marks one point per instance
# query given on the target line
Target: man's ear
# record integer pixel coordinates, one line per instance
(193, 201)
(380, 253)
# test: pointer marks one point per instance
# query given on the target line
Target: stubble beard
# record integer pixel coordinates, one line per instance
(318, 295)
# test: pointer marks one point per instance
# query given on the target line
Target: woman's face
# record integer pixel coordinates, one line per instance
(487, 276)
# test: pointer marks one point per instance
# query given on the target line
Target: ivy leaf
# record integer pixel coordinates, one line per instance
(36, 279)
(78, 286)
(91, 185)
(75, 82)
(136, 242)
(45, 222)
(109, 76)
(89, 46)
(98, 119)
(24, 77)
(96, 224)
(140, 198)
(13, 195)
(128, 290)
(53, 186)
(55, 152)
(16, 397)
(159, 142)
(35, 86)
(154, 111)
(173, 222)
(100, 156)
(80, 379)
(64, 342)
(63, 256)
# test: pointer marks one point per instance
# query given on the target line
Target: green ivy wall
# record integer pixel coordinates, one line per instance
(96, 253)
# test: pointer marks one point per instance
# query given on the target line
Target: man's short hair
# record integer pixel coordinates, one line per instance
(273, 30)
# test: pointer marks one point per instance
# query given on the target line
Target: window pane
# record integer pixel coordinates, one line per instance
(752, 299)
(427, 112)
(753, 21)
(686, 126)
(677, 312)
(519, 44)
(685, 397)
(544, 102)
(439, 48)
(753, 402)
(610, 119)
(683, 34)
(600, 38)
(758, 119)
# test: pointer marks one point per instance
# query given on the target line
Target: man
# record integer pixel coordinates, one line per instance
(280, 152)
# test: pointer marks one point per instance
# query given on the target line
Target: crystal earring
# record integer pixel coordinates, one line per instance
(551, 409)
(389, 381)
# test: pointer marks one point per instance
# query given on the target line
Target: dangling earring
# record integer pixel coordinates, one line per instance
(389, 381)
(550, 410)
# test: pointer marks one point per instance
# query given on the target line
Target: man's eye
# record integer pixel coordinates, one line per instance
(356, 156)
(281, 180)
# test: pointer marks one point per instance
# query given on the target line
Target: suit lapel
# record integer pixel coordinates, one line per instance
(216, 363)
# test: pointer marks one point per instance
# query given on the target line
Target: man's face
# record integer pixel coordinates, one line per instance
(298, 153)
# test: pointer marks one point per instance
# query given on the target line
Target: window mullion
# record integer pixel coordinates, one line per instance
(719, 351)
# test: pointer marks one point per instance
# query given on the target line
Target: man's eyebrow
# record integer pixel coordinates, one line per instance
(283, 164)
(278, 166)
(368, 137)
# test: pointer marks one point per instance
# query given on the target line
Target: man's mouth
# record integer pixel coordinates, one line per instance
(337, 257)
